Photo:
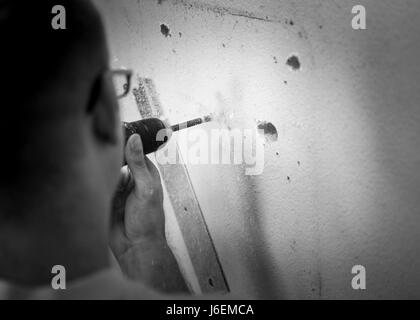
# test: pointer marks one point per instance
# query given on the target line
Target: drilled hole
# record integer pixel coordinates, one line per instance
(165, 30)
(293, 62)
(211, 282)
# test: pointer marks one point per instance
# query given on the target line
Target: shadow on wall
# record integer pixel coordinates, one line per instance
(260, 261)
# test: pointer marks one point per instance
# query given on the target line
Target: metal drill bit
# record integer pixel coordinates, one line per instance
(190, 123)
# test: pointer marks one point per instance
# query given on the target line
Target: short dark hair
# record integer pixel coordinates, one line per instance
(43, 70)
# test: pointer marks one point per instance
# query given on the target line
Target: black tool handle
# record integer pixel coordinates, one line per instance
(150, 132)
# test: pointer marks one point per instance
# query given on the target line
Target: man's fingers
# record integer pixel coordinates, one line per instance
(123, 181)
(143, 171)
(138, 165)
(125, 186)
(134, 155)
(152, 169)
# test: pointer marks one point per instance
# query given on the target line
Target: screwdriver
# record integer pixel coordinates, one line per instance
(149, 128)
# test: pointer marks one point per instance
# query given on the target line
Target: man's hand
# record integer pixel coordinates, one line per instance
(138, 214)
(138, 224)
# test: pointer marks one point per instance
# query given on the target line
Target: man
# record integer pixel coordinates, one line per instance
(62, 153)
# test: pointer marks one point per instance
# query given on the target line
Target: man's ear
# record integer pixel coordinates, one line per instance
(103, 109)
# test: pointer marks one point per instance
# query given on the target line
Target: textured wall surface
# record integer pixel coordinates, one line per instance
(341, 185)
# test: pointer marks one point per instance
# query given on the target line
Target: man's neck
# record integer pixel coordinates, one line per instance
(69, 231)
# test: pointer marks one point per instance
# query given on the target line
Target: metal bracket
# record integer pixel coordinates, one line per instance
(187, 210)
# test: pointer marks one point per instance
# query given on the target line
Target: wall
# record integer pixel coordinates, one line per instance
(340, 186)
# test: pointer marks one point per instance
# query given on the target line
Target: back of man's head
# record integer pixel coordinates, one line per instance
(46, 81)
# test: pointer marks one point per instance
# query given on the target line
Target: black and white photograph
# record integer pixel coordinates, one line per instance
(210, 150)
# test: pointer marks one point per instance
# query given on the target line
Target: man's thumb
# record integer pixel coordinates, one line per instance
(134, 153)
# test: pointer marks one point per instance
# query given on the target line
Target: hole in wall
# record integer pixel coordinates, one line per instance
(293, 62)
(165, 30)
(269, 131)
(211, 283)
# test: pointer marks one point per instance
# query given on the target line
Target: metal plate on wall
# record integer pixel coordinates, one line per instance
(187, 210)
